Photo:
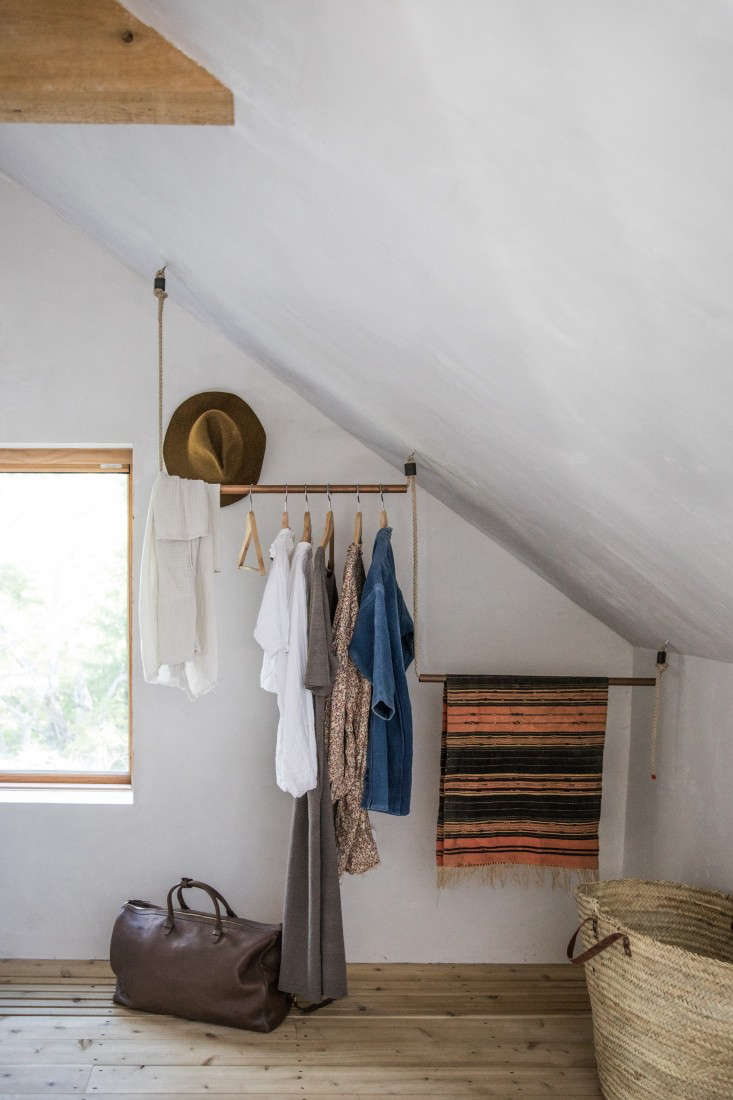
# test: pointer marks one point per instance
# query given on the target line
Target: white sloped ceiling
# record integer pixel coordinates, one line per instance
(495, 231)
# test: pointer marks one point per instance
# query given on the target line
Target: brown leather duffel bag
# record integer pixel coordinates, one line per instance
(202, 966)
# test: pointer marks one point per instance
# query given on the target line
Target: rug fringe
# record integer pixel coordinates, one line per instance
(516, 874)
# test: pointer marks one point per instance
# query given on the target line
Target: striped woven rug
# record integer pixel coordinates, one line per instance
(520, 786)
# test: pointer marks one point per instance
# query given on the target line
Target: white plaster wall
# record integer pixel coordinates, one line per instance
(511, 217)
(679, 826)
(77, 366)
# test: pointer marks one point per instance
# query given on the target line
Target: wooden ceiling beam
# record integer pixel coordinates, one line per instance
(92, 61)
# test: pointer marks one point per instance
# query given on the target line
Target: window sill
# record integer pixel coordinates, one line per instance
(75, 794)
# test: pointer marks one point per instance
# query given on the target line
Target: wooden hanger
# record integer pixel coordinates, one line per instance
(251, 536)
(284, 518)
(328, 533)
(357, 519)
(383, 521)
(307, 535)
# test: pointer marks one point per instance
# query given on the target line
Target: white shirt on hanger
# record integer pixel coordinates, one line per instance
(273, 620)
(282, 632)
(296, 760)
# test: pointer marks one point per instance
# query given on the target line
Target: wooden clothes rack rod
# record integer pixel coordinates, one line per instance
(613, 681)
(236, 490)
(424, 677)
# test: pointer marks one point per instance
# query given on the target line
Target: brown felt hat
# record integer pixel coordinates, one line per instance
(215, 437)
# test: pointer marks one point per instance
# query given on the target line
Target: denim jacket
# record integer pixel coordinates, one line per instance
(382, 648)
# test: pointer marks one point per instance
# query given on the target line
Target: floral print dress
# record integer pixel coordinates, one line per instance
(347, 730)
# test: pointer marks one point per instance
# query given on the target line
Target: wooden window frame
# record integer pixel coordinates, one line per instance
(78, 460)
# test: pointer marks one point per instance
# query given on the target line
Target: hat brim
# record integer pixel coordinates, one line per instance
(175, 445)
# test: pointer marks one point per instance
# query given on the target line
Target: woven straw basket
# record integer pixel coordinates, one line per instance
(659, 965)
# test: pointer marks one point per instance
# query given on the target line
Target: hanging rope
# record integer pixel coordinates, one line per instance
(160, 294)
(661, 669)
(411, 474)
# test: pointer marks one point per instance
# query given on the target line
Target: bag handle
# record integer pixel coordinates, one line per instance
(189, 884)
(598, 947)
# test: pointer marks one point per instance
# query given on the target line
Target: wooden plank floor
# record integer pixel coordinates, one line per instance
(406, 1030)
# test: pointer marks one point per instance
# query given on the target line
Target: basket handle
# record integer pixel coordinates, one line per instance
(598, 947)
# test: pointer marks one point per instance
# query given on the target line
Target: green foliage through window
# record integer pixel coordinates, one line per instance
(64, 702)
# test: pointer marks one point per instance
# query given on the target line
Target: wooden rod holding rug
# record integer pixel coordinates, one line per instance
(613, 681)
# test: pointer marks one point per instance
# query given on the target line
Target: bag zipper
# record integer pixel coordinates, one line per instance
(238, 921)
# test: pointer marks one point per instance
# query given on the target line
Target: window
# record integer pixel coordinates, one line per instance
(65, 592)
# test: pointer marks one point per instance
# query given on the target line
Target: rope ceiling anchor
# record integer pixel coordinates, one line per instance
(160, 293)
